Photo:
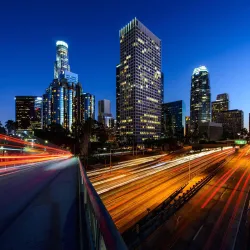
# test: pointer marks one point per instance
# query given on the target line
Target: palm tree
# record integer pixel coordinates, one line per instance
(10, 125)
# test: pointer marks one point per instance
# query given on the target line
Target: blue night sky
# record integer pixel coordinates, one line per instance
(214, 33)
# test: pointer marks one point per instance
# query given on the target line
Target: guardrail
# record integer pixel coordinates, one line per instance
(102, 232)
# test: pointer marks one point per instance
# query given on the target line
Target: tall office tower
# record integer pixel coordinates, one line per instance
(173, 119)
(78, 104)
(104, 113)
(139, 83)
(62, 61)
(200, 101)
(221, 104)
(232, 122)
(104, 107)
(89, 106)
(62, 102)
(118, 113)
(187, 125)
(59, 104)
(28, 112)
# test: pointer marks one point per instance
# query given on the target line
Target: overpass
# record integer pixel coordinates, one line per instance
(49, 201)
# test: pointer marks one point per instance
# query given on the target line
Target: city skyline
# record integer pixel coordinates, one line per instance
(225, 70)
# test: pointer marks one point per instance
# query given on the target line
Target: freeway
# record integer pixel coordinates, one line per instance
(39, 205)
(212, 219)
(131, 190)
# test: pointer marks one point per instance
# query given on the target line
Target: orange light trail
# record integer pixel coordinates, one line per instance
(216, 227)
(219, 187)
(236, 208)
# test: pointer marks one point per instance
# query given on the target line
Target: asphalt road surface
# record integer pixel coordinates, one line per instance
(39, 206)
(215, 218)
(130, 189)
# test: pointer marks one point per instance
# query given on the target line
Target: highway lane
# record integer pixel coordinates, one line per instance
(129, 192)
(38, 206)
(211, 219)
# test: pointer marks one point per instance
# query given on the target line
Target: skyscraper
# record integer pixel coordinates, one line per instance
(200, 101)
(139, 83)
(89, 106)
(173, 119)
(62, 102)
(187, 125)
(28, 112)
(221, 104)
(118, 112)
(59, 103)
(232, 122)
(104, 113)
(62, 60)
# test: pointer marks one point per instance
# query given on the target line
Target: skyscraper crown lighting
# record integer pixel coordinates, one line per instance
(62, 43)
(200, 69)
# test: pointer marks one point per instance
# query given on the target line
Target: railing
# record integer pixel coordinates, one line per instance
(102, 232)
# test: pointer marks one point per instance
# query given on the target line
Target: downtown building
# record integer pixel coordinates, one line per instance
(28, 112)
(200, 101)
(88, 106)
(139, 84)
(173, 119)
(221, 104)
(232, 122)
(187, 125)
(104, 113)
(64, 102)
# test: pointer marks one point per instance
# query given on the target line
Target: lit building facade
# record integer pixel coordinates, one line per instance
(221, 104)
(200, 101)
(62, 60)
(139, 84)
(118, 113)
(28, 112)
(187, 125)
(59, 104)
(89, 106)
(232, 122)
(63, 99)
(173, 122)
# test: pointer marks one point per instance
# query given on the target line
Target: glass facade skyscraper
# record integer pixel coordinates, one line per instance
(89, 106)
(28, 112)
(173, 122)
(59, 103)
(200, 101)
(63, 100)
(139, 83)
(221, 104)
(62, 60)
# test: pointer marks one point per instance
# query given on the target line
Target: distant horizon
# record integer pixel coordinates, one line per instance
(219, 43)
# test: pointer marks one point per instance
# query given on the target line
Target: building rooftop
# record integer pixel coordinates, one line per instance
(200, 69)
(136, 23)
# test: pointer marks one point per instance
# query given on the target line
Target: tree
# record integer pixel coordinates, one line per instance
(2, 129)
(56, 128)
(10, 125)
